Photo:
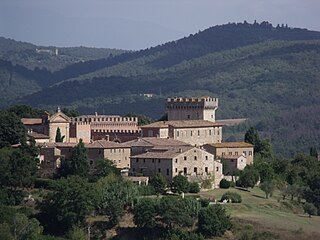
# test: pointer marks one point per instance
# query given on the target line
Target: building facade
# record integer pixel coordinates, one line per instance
(202, 108)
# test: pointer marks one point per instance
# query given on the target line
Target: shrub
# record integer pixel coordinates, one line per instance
(48, 184)
(11, 197)
(310, 209)
(194, 187)
(224, 184)
(146, 190)
(204, 202)
(213, 221)
(234, 197)
(206, 184)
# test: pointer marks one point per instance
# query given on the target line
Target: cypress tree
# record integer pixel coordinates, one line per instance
(59, 138)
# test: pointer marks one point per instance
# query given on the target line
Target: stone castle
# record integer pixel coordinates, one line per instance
(189, 143)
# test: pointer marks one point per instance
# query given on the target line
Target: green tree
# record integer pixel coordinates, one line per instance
(213, 221)
(265, 170)
(67, 205)
(180, 184)
(248, 177)
(104, 167)
(59, 138)
(77, 233)
(268, 188)
(158, 182)
(252, 136)
(78, 162)
(174, 213)
(12, 131)
(310, 209)
(145, 212)
(194, 187)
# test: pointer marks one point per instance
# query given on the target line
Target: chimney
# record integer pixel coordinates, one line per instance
(96, 113)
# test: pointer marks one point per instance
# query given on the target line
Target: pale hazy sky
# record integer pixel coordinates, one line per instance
(137, 24)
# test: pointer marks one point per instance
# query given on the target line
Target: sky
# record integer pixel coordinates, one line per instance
(140, 24)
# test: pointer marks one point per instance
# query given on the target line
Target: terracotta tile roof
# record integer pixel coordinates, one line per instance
(36, 135)
(183, 124)
(103, 144)
(230, 144)
(164, 153)
(31, 121)
(155, 141)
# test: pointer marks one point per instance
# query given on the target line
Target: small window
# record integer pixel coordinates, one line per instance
(184, 158)
(176, 169)
(188, 116)
(176, 160)
(158, 160)
(168, 172)
(152, 160)
(144, 160)
(137, 160)
(191, 133)
(206, 169)
(250, 153)
(198, 132)
(206, 157)
(119, 161)
(185, 170)
(210, 132)
(159, 170)
(134, 169)
(230, 153)
(195, 170)
(244, 153)
(177, 133)
(223, 153)
(195, 157)
(236, 153)
(217, 169)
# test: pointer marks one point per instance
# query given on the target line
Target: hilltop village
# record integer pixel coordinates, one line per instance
(188, 143)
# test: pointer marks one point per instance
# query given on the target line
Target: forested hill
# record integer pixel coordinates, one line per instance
(268, 74)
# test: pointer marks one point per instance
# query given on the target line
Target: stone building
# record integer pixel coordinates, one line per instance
(193, 162)
(52, 153)
(113, 128)
(194, 132)
(202, 108)
(231, 150)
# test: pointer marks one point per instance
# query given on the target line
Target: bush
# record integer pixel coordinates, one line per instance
(44, 183)
(146, 190)
(206, 184)
(194, 187)
(224, 184)
(204, 202)
(11, 197)
(310, 209)
(213, 221)
(234, 197)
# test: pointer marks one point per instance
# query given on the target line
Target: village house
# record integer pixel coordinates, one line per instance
(192, 162)
(194, 132)
(51, 155)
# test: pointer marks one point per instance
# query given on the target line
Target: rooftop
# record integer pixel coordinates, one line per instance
(155, 141)
(183, 124)
(31, 121)
(103, 144)
(36, 135)
(230, 144)
(164, 153)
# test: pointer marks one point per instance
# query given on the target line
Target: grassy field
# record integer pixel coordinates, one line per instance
(285, 219)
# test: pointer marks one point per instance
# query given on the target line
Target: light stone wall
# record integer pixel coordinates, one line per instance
(197, 136)
(120, 156)
(195, 162)
(234, 151)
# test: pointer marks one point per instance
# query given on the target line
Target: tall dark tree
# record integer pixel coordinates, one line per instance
(12, 131)
(252, 136)
(59, 138)
(180, 184)
(77, 164)
(159, 183)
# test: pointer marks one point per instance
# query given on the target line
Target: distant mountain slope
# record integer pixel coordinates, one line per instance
(257, 71)
(32, 56)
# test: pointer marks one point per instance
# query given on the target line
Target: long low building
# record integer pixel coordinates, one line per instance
(52, 153)
(193, 162)
(194, 132)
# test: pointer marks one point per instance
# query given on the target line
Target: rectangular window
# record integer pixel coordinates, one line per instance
(144, 160)
(217, 169)
(168, 171)
(195, 157)
(176, 160)
(250, 153)
(195, 170)
(206, 169)
(176, 169)
(152, 160)
(198, 132)
(223, 153)
(185, 170)
(188, 117)
(244, 153)
(210, 132)
(230, 153)
(206, 157)
(159, 170)
(236, 153)
(191, 133)
(137, 160)
(184, 158)
(158, 160)
(177, 133)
